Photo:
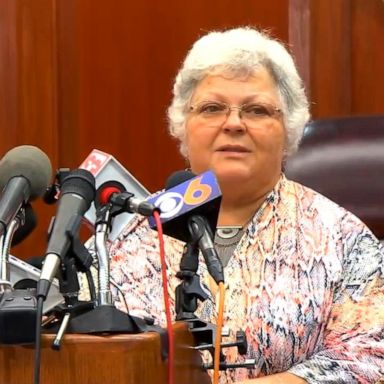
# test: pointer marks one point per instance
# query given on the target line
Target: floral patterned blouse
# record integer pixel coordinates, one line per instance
(305, 283)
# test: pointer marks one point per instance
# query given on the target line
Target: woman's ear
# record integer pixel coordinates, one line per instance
(187, 164)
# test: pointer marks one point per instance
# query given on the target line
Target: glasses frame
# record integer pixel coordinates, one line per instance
(272, 109)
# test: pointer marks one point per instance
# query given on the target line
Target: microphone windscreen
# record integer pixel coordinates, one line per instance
(80, 182)
(178, 177)
(29, 162)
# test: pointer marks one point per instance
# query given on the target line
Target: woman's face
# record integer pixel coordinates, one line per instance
(243, 153)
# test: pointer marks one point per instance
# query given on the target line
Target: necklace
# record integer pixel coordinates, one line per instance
(226, 240)
(228, 231)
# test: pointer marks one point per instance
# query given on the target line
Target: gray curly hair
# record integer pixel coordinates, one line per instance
(240, 51)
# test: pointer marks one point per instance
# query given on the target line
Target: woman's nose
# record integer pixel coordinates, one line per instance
(233, 121)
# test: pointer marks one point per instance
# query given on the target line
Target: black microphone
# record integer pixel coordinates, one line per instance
(30, 223)
(25, 173)
(77, 194)
(179, 177)
(195, 217)
(114, 192)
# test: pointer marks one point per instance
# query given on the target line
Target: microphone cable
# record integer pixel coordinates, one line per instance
(219, 327)
(156, 216)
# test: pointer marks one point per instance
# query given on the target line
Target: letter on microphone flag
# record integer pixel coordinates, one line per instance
(105, 167)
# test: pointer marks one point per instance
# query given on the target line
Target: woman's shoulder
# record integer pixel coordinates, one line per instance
(324, 211)
(312, 199)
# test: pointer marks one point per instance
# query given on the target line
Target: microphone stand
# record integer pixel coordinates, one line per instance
(76, 260)
(6, 240)
(190, 289)
(17, 306)
(104, 316)
(92, 317)
(186, 295)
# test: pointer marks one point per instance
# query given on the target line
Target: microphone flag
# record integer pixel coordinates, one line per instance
(200, 195)
(105, 167)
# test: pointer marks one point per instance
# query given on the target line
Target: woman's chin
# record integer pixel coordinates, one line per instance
(229, 176)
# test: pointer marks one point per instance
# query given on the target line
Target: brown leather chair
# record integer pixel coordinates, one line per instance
(343, 159)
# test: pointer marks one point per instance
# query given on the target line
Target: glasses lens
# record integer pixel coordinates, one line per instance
(211, 109)
(257, 111)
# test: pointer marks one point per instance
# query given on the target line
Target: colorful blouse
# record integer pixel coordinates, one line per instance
(305, 283)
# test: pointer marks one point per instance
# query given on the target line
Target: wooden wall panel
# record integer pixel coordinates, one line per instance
(367, 57)
(28, 75)
(8, 74)
(338, 45)
(28, 78)
(84, 74)
(128, 55)
(77, 75)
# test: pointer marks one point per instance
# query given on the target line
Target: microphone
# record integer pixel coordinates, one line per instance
(106, 190)
(25, 173)
(114, 192)
(20, 227)
(77, 194)
(30, 223)
(189, 213)
(106, 168)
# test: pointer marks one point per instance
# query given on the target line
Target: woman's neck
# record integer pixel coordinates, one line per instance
(237, 212)
(239, 205)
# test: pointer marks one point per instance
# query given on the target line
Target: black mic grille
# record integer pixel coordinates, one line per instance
(178, 177)
(80, 182)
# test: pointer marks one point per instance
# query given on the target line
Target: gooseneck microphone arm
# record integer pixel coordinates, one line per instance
(112, 200)
(5, 244)
(5, 241)
(5, 284)
(103, 225)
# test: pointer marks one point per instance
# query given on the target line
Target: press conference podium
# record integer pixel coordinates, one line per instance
(115, 359)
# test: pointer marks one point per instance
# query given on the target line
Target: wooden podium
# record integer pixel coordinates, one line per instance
(116, 359)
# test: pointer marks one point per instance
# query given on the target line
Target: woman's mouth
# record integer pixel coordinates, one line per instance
(233, 149)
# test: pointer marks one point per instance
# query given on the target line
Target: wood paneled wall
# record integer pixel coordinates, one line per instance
(339, 49)
(82, 74)
(29, 93)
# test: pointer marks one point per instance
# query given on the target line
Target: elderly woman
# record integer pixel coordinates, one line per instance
(304, 276)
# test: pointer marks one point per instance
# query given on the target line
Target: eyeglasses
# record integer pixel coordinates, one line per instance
(215, 112)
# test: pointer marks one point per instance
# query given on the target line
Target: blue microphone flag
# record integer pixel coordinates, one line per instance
(200, 195)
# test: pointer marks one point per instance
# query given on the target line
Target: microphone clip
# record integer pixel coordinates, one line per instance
(119, 203)
(53, 190)
(190, 290)
(127, 202)
(204, 334)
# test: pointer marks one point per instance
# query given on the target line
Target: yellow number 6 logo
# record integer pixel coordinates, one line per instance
(196, 192)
